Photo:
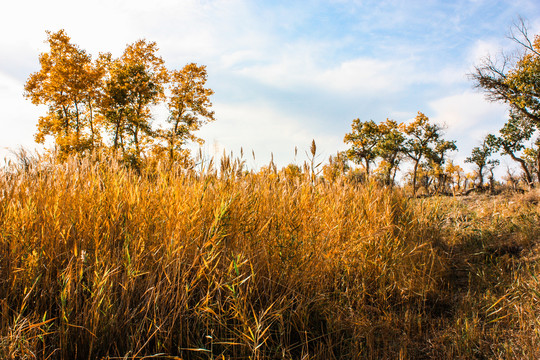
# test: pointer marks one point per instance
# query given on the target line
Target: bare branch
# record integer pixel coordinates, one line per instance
(522, 37)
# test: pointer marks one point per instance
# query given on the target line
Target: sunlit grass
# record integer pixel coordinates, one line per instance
(99, 261)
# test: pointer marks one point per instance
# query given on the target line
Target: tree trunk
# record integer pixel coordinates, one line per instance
(171, 148)
(91, 121)
(394, 176)
(367, 168)
(66, 121)
(117, 130)
(414, 177)
(481, 176)
(136, 141)
(78, 126)
(523, 166)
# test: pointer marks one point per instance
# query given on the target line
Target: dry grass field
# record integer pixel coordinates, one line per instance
(100, 262)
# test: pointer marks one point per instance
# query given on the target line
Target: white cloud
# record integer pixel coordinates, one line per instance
(322, 65)
(483, 48)
(237, 58)
(465, 111)
(18, 118)
(265, 130)
(366, 76)
(468, 117)
(360, 76)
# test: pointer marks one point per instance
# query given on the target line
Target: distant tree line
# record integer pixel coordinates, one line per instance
(381, 149)
(391, 143)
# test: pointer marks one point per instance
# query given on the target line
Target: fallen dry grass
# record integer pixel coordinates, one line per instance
(98, 261)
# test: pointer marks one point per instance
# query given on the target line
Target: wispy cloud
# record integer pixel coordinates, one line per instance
(468, 117)
(465, 111)
(265, 130)
(17, 120)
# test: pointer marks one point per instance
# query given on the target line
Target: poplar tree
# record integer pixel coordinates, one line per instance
(67, 83)
(135, 83)
(189, 108)
(421, 136)
(363, 138)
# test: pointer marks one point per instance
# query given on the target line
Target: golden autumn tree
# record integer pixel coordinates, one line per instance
(437, 157)
(421, 136)
(512, 79)
(135, 83)
(67, 83)
(456, 175)
(338, 165)
(480, 156)
(364, 137)
(390, 149)
(292, 173)
(189, 108)
(110, 101)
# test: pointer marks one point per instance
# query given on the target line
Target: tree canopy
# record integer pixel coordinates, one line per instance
(481, 157)
(388, 143)
(67, 83)
(108, 102)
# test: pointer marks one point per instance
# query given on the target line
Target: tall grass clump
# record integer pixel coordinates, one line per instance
(98, 261)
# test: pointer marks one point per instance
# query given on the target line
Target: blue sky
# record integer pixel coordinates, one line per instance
(285, 72)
